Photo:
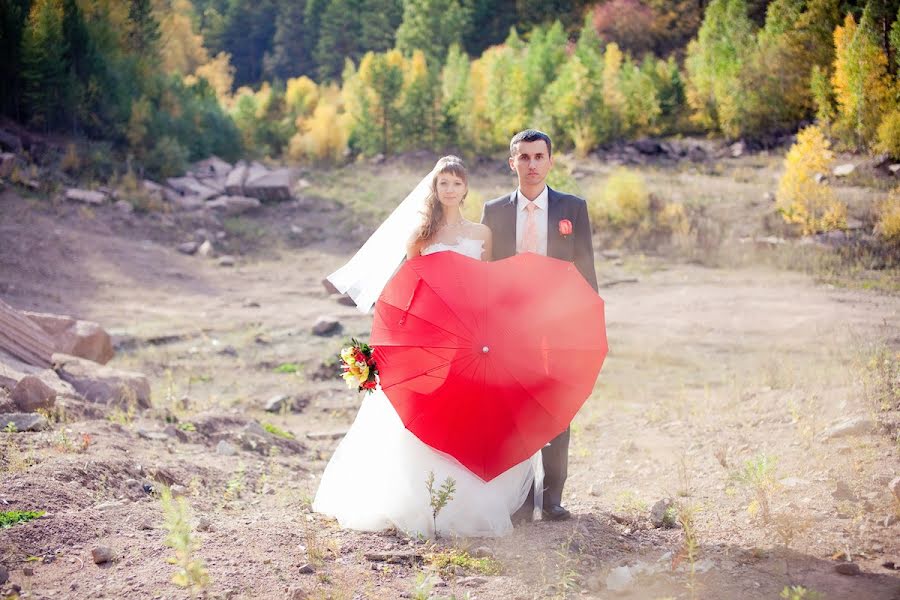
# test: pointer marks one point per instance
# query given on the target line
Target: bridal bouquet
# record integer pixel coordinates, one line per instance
(358, 366)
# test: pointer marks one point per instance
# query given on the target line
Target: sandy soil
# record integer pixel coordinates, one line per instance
(709, 370)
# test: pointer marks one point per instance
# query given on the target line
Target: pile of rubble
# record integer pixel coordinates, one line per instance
(212, 184)
(53, 363)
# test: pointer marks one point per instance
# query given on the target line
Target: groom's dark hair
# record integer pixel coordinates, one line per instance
(530, 135)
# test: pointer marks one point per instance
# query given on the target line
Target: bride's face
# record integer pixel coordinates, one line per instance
(451, 189)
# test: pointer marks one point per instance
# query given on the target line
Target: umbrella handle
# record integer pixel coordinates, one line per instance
(409, 304)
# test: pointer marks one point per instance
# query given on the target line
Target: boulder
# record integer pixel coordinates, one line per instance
(843, 170)
(211, 167)
(7, 164)
(86, 196)
(84, 339)
(182, 201)
(23, 422)
(326, 326)
(234, 181)
(32, 394)
(9, 141)
(849, 427)
(191, 186)
(101, 384)
(23, 338)
(270, 186)
(894, 169)
(233, 205)
(12, 371)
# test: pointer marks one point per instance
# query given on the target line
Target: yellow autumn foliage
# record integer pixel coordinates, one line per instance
(888, 223)
(800, 198)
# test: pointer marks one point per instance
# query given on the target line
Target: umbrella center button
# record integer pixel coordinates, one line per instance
(485, 350)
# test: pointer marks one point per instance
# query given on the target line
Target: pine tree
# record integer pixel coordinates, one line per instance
(143, 32)
(339, 37)
(291, 55)
(432, 26)
(379, 26)
(13, 16)
(43, 60)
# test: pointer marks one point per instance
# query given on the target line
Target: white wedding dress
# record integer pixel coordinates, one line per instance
(376, 478)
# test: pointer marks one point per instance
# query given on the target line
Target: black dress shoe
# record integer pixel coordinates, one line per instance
(555, 512)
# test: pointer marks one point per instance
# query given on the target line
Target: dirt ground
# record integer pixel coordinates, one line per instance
(712, 372)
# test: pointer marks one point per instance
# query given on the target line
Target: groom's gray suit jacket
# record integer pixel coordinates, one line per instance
(500, 216)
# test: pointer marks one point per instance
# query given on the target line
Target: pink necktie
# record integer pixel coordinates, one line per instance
(529, 237)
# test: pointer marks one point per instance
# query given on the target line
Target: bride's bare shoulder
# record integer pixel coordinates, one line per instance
(478, 231)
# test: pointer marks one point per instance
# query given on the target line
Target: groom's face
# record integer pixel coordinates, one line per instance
(531, 162)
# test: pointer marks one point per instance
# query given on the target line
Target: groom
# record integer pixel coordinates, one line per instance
(536, 219)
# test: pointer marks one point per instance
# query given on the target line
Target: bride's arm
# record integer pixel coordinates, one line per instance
(413, 247)
(488, 253)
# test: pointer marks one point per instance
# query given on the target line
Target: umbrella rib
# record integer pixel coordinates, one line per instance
(434, 404)
(529, 394)
(444, 329)
(434, 368)
(450, 310)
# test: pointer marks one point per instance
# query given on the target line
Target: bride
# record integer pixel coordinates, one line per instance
(376, 478)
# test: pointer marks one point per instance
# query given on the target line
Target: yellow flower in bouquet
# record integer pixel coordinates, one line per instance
(358, 367)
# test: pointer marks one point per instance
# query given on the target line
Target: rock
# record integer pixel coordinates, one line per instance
(820, 178)
(205, 524)
(483, 552)
(84, 339)
(848, 427)
(306, 569)
(842, 491)
(10, 141)
(298, 594)
(155, 436)
(189, 248)
(595, 490)
(847, 568)
(399, 556)
(7, 164)
(206, 249)
(619, 579)
(843, 170)
(648, 146)
(894, 169)
(104, 506)
(103, 554)
(24, 421)
(661, 515)
(472, 581)
(234, 181)
(174, 432)
(86, 196)
(153, 189)
(894, 486)
(4, 575)
(322, 435)
(233, 206)
(124, 206)
(890, 521)
(224, 448)
(191, 187)
(225, 261)
(326, 326)
(211, 167)
(101, 384)
(737, 149)
(178, 490)
(32, 394)
(270, 186)
(278, 403)
(182, 201)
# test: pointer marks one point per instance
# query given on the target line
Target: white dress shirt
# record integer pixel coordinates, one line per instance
(540, 215)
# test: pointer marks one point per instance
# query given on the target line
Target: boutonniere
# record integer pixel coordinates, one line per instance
(565, 228)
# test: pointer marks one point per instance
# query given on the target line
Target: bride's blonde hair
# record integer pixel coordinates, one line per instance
(433, 214)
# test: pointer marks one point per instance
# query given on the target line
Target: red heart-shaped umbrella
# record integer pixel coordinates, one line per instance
(488, 361)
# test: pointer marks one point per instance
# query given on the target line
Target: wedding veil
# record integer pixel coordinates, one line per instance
(366, 274)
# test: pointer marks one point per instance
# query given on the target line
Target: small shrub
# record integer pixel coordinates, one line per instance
(800, 198)
(190, 570)
(14, 517)
(758, 474)
(439, 498)
(452, 559)
(71, 160)
(278, 432)
(798, 592)
(622, 201)
(887, 225)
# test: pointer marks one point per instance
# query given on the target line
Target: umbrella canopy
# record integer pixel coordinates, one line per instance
(488, 361)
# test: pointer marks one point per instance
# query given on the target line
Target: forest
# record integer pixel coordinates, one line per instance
(164, 82)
